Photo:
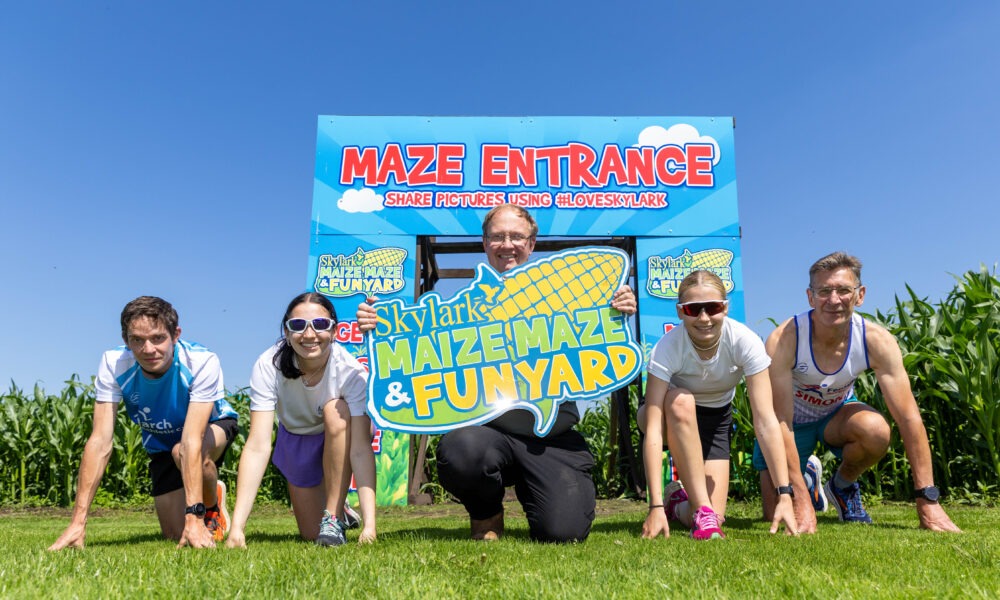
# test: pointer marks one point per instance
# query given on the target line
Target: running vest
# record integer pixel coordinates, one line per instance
(818, 394)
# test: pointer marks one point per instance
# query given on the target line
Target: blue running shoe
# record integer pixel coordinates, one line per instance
(331, 531)
(847, 501)
(814, 483)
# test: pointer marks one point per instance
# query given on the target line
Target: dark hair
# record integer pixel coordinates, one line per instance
(284, 357)
(155, 309)
(518, 210)
(834, 261)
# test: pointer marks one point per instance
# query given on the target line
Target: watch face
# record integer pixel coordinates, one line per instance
(930, 493)
(197, 510)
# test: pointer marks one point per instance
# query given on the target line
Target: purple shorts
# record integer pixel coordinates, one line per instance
(299, 457)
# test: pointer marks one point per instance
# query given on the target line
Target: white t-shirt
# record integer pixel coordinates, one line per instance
(713, 381)
(300, 408)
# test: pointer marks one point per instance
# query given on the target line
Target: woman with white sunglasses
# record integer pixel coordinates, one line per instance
(692, 377)
(318, 392)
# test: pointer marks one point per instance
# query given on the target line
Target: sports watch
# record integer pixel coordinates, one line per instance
(197, 510)
(785, 489)
(929, 493)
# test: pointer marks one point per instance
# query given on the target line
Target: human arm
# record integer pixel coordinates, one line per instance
(366, 316)
(253, 463)
(780, 346)
(769, 436)
(887, 362)
(96, 453)
(363, 467)
(192, 459)
(652, 458)
(624, 300)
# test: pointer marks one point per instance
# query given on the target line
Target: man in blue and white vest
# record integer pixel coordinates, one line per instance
(173, 389)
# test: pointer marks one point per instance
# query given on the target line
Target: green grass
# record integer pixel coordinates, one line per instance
(423, 552)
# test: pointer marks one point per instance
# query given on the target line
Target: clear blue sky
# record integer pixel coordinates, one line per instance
(168, 148)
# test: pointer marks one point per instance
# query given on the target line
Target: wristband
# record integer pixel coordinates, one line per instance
(652, 506)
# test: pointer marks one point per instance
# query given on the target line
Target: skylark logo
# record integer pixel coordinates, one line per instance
(371, 272)
(667, 272)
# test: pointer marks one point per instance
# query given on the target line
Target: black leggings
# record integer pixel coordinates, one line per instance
(550, 475)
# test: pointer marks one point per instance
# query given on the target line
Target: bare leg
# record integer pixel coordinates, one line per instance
(212, 447)
(717, 480)
(307, 504)
(336, 456)
(685, 448)
(170, 511)
(862, 433)
(170, 506)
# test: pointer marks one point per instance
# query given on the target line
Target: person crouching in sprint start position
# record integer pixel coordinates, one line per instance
(815, 358)
(692, 377)
(551, 475)
(318, 391)
(174, 391)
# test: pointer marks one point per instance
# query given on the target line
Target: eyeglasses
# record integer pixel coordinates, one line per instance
(518, 239)
(318, 324)
(842, 292)
(712, 307)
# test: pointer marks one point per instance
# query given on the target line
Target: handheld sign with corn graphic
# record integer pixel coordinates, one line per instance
(542, 334)
(368, 273)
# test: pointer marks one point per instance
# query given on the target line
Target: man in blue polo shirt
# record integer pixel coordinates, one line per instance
(173, 389)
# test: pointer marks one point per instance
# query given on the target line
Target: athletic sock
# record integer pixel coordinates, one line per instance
(679, 509)
(839, 481)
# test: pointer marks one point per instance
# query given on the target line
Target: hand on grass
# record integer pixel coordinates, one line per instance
(236, 539)
(933, 517)
(785, 512)
(71, 538)
(367, 535)
(805, 515)
(655, 524)
(196, 535)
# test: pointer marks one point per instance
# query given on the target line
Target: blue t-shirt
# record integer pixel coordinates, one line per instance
(159, 406)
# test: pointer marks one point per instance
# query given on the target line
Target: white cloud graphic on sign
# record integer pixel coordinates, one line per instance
(364, 200)
(678, 135)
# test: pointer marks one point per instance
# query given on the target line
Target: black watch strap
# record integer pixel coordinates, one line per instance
(930, 493)
(197, 510)
(785, 489)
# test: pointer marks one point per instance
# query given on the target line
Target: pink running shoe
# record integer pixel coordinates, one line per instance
(675, 495)
(706, 525)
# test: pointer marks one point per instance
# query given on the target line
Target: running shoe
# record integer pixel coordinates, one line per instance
(847, 501)
(331, 531)
(675, 496)
(706, 525)
(352, 520)
(217, 517)
(814, 483)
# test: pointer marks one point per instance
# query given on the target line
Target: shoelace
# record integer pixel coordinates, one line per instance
(329, 525)
(853, 501)
(707, 520)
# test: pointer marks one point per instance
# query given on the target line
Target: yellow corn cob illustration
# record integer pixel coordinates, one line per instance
(564, 284)
(714, 258)
(377, 271)
(381, 257)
